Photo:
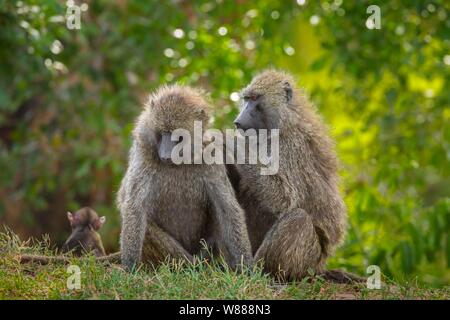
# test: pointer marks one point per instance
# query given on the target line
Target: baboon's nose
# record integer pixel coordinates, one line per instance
(241, 126)
(166, 159)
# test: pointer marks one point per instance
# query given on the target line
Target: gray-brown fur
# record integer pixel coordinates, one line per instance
(84, 238)
(296, 218)
(167, 209)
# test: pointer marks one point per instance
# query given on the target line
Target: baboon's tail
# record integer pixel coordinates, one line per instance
(340, 276)
(41, 259)
(111, 258)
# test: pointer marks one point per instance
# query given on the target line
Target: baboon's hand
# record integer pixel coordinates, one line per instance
(129, 264)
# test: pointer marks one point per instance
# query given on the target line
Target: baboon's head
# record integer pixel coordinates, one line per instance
(170, 108)
(264, 100)
(85, 218)
(84, 223)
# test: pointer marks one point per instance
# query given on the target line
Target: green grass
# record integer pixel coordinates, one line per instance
(171, 281)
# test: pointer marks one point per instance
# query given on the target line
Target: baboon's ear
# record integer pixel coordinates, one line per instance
(202, 114)
(288, 89)
(151, 103)
(70, 217)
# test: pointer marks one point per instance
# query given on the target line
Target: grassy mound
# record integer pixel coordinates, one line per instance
(170, 281)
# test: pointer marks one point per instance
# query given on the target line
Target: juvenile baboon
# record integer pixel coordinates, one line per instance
(84, 239)
(167, 209)
(295, 218)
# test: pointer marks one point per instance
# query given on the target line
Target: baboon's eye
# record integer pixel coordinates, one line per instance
(180, 139)
(252, 97)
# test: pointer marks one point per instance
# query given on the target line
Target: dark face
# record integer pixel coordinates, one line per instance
(252, 114)
(165, 146)
(262, 111)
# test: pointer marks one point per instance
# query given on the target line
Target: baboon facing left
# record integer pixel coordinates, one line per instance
(167, 209)
(296, 218)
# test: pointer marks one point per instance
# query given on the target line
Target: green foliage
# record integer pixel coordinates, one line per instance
(68, 99)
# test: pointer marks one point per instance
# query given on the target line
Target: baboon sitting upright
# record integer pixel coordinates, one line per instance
(84, 238)
(297, 216)
(167, 209)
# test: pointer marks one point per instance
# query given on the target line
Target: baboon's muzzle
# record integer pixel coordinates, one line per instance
(165, 147)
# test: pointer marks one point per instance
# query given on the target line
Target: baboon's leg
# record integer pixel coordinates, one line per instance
(159, 245)
(291, 247)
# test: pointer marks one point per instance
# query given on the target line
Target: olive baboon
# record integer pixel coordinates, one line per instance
(167, 209)
(84, 239)
(296, 217)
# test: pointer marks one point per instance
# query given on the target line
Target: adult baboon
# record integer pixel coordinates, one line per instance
(295, 218)
(167, 209)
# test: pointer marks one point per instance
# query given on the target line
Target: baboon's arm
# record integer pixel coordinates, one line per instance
(159, 245)
(230, 217)
(134, 224)
(233, 176)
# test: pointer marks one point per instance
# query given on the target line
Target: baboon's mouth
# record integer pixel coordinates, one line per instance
(166, 161)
